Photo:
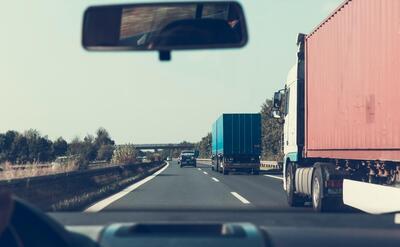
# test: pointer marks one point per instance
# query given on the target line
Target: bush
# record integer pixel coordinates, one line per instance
(125, 154)
(105, 152)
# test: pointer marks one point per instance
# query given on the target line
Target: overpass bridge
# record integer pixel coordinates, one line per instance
(164, 146)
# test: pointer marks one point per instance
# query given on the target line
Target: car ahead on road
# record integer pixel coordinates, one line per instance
(169, 159)
(161, 205)
(187, 159)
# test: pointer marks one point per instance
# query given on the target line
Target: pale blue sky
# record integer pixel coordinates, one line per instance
(49, 83)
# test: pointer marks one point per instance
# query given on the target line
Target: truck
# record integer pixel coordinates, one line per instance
(339, 110)
(236, 143)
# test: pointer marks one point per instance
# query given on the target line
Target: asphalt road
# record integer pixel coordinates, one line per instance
(202, 188)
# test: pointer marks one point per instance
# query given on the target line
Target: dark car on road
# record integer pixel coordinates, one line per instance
(187, 158)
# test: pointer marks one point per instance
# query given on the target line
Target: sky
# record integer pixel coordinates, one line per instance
(50, 83)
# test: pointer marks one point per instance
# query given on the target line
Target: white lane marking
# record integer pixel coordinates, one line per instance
(272, 176)
(105, 202)
(199, 169)
(216, 180)
(241, 198)
(205, 173)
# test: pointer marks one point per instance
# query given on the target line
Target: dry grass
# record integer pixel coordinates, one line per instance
(80, 202)
(34, 170)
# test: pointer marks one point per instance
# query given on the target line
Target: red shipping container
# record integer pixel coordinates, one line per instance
(353, 83)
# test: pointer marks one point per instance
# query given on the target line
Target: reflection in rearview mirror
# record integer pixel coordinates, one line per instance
(165, 27)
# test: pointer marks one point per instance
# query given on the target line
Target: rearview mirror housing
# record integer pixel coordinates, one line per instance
(164, 26)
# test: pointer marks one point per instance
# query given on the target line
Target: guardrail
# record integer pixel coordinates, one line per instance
(24, 167)
(77, 189)
(264, 164)
(92, 165)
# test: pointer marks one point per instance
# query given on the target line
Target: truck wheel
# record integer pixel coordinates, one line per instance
(317, 194)
(293, 199)
(320, 202)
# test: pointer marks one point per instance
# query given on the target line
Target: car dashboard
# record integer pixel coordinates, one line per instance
(154, 229)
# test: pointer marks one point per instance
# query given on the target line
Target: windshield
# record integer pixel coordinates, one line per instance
(87, 125)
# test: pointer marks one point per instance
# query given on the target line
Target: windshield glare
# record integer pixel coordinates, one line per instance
(87, 125)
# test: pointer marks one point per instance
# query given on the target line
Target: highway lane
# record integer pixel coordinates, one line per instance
(202, 188)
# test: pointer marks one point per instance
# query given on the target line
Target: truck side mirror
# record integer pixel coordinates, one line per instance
(277, 100)
(276, 114)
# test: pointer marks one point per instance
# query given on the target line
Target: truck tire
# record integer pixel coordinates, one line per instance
(317, 195)
(320, 202)
(293, 199)
(225, 171)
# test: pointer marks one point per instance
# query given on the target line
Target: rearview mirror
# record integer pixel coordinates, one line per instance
(277, 100)
(164, 26)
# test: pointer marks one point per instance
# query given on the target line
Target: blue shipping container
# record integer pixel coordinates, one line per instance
(237, 135)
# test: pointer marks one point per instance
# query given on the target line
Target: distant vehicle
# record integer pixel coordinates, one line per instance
(169, 158)
(236, 143)
(187, 158)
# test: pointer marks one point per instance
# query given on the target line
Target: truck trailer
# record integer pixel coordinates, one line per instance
(236, 143)
(340, 111)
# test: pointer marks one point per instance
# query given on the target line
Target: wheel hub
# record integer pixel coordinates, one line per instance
(316, 192)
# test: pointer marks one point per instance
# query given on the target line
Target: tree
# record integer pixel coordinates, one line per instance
(105, 152)
(104, 145)
(19, 151)
(4, 148)
(85, 150)
(89, 148)
(103, 138)
(271, 133)
(60, 147)
(39, 148)
(204, 146)
(6, 141)
(44, 149)
(75, 146)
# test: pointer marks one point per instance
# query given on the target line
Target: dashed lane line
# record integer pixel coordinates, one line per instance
(272, 176)
(240, 198)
